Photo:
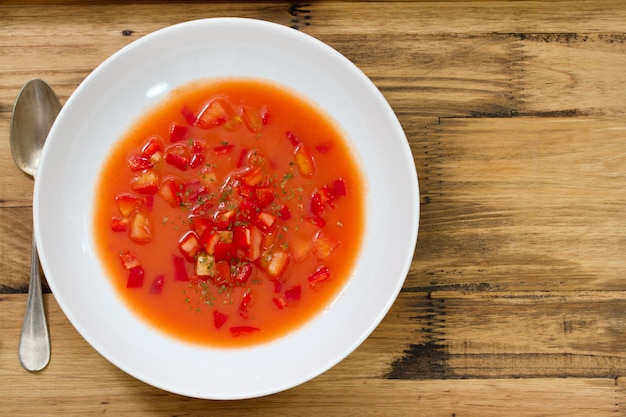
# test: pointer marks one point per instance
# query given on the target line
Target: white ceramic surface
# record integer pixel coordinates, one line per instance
(104, 106)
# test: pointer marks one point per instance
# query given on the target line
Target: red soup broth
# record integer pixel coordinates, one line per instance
(230, 214)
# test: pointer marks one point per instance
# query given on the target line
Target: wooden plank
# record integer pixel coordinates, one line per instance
(356, 386)
(521, 203)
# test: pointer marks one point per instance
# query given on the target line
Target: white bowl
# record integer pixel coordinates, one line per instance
(103, 107)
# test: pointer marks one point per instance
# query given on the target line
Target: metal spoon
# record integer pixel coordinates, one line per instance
(35, 110)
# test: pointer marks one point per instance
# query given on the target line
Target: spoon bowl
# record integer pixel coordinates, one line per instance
(35, 110)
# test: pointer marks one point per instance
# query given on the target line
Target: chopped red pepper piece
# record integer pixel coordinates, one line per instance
(280, 302)
(152, 146)
(219, 319)
(178, 133)
(178, 155)
(294, 293)
(180, 270)
(243, 273)
(321, 274)
(246, 301)
(293, 139)
(189, 116)
(135, 277)
(157, 284)
(223, 149)
(237, 331)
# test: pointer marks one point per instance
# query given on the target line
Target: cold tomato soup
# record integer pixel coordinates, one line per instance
(230, 214)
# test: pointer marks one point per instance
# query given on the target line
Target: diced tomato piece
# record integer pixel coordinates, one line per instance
(256, 238)
(243, 273)
(252, 119)
(224, 219)
(223, 149)
(321, 274)
(300, 249)
(190, 117)
(284, 213)
(304, 161)
(278, 286)
(180, 270)
(119, 224)
(253, 176)
(242, 237)
(293, 293)
(146, 182)
(274, 261)
(205, 265)
(219, 319)
(140, 228)
(129, 260)
(323, 245)
(135, 277)
(264, 196)
(339, 187)
(199, 224)
(189, 245)
(264, 221)
(293, 139)
(178, 155)
(157, 284)
(127, 203)
(152, 146)
(138, 163)
(178, 133)
(224, 251)
(280, 302)
(214, 114)
(171, 190)
(237, 331)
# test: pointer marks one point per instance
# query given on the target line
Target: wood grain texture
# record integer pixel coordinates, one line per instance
(515, 300)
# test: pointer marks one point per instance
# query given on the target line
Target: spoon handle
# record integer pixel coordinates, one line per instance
(34, 348)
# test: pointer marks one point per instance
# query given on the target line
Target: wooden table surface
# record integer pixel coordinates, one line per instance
(515, 303)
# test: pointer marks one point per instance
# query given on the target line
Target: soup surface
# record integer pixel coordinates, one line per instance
(231, 213)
